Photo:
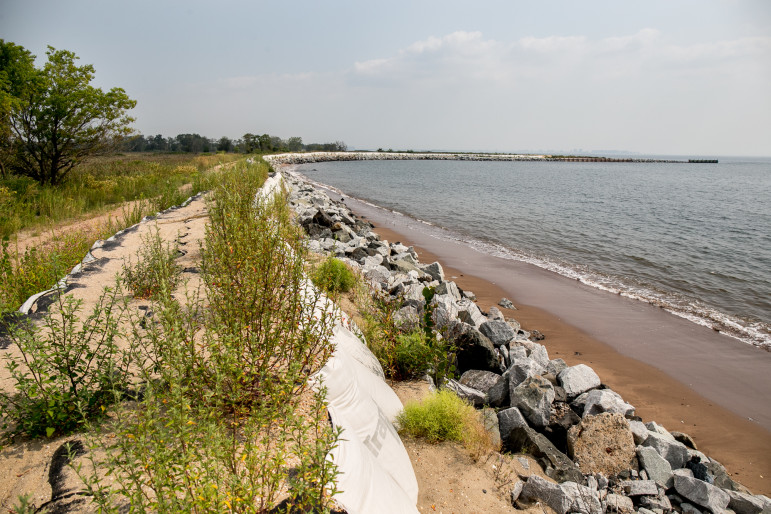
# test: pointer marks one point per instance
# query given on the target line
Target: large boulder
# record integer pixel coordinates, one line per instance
(475, 351)
(657, 467)
(602, 444)
(578, 379)
(533, 397)
(435, 271)
(582, 499)
(673, 451)
(522, 369)
(449, 288)
(508, 420)
(619, 503)
(467, 393)
(702, 493)
(479, 379)
(538, 489)
(523, 439)
(743, 503)
(598, 401)
(468, 312)
(499, 332)
(445, 310)
(537, 352)
(639, 487)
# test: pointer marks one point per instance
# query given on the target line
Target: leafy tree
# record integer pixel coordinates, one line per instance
(225, 144)
(17, 75)
(294, 144)
(250, 143)
(60, 119)
(265, 143)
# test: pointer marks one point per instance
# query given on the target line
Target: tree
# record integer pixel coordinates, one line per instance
(60, 119)
(294, 144)
(225, 144)
(17, 75)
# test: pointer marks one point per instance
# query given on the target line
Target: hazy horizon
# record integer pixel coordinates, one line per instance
(661, 77)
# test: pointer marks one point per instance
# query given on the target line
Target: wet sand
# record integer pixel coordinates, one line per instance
(686, 377)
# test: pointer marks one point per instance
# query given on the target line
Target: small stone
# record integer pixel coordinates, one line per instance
(506, 303)
(516, 490)
(640, 487)
(619, 503)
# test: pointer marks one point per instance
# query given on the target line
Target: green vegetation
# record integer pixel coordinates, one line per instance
(53, 118)
(153, 182)
(333, 276)
(154, 270)
(405, 350)
(68, 371)
(441, 416)
(223, 416)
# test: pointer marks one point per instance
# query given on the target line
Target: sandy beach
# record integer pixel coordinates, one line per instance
(686, 377)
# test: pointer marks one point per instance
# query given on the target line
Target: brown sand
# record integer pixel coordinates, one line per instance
(742, 446)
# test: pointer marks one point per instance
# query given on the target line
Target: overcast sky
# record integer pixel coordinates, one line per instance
(656, 76)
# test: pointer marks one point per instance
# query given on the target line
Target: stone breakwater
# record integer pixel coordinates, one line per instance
(602, 457)
(305, 158)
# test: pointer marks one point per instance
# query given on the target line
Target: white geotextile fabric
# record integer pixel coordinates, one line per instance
(376, 472)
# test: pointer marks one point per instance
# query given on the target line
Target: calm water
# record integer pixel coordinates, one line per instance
(693, 238)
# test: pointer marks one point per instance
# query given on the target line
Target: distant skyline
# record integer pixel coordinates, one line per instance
(656, 77)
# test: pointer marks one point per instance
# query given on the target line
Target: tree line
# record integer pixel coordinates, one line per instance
(248, 143)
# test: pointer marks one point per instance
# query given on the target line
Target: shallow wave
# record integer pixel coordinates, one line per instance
(748, 331)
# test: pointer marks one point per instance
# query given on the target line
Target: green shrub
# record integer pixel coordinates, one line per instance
(68, 370)
(441, 416)
(155, 271)
(333, 276)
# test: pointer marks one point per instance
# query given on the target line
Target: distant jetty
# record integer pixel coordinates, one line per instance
(301, 158)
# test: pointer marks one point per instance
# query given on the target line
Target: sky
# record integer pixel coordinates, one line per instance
(666, 77)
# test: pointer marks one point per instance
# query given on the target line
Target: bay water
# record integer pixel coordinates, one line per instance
(694, 239)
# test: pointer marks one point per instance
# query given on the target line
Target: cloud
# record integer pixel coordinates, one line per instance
(468, 56)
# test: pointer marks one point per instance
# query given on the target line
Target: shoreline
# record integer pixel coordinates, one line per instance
(741, 445)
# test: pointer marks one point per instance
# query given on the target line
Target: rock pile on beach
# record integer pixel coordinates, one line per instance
(602, 457)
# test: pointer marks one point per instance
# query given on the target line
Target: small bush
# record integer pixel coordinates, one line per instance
(155, 272)
(333, 276)
(68, 370)
(441, 416)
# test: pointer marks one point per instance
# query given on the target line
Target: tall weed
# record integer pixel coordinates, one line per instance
(68, 370)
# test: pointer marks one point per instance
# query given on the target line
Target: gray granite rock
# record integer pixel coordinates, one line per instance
(508, 420)
(619, 503)
(743, 503)
(468, 312)
(522, 369)
(582, 499)
(480, 380)
(702, 493)
(496, 314)
(537, 352)
(517, 352)
(434, 270)
(639, 487)
(533, 397)
(499, 332)
(578, 379)
(449, 288)
(467, 393)
(475, 351)
(657, 467)
(555, 366)
(674, 452)
(506, 303)
(538, 489)
(598, 401)
(516, 490)
(523, 439)
(659, 503)
(639, 431)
